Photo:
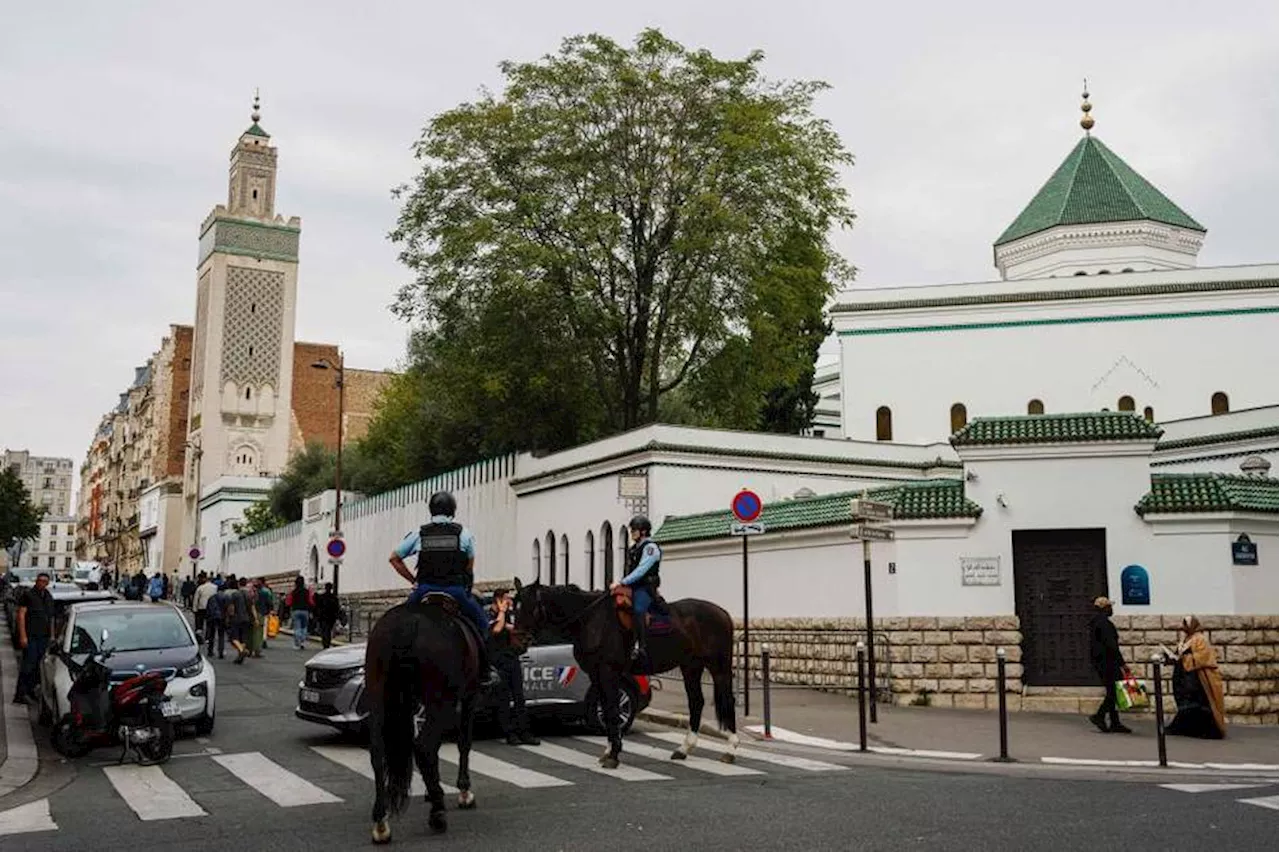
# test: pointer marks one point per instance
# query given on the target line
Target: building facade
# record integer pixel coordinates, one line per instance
(48, 480)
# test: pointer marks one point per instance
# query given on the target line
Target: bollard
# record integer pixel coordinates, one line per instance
(764, 673)
(1159, 678)
(1002, 704)
(862, 697)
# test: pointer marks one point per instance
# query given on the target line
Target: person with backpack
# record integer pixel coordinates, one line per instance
(215, 622)
(301, 601)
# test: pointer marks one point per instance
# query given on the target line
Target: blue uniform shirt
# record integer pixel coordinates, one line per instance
(412, 542)
(649, 557)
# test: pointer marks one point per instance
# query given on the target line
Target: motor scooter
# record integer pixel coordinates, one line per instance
(135, 713)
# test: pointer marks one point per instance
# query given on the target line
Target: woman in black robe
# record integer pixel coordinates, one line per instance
(1195, 667)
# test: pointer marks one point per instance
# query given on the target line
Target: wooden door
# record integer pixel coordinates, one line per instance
(1056, 576)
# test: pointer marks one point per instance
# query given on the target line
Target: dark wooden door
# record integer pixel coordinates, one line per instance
(1056, 576)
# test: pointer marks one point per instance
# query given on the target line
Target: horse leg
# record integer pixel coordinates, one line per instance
(426, 751)
(722, 682)
(609, 687)
(378, 757)
(466, 717)
(693, 692)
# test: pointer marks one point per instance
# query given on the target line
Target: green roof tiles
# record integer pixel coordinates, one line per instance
(924, 499)
(1219, 438)
(1094, 185)
(255, 130)
(1208, 492)
(1056, 429)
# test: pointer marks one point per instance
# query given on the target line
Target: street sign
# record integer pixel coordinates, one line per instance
(193, 553)
(746, 506)
(336, 548)
(867, 533)
(1244, 551)
(869, 510)
(747, 529)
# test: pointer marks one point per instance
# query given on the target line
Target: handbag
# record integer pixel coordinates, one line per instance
(273, 625)
(1131, 694)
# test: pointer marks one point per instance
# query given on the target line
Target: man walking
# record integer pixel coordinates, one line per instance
(327, 612)
(1104, 652)
(300, 602)
(509, 689)
(35, 619)
(205, 590)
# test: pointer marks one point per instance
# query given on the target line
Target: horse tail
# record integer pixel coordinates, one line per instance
(399, 708)
(725, 706)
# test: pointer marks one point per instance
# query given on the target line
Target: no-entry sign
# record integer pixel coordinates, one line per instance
(336, 548)
(746, 506)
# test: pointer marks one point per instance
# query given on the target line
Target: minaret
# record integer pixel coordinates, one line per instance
(242, 358)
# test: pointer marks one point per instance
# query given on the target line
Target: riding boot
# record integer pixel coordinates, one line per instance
(489, 677)
(641, 654)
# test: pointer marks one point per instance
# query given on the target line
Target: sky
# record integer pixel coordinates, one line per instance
(117, 121)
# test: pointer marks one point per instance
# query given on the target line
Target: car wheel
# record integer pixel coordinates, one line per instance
(628, 702)
(204, 724)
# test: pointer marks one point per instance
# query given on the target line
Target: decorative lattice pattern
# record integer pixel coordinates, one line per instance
(251, 327)
(201, 335)
(276, 243)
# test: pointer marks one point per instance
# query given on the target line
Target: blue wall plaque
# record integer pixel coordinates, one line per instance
(1135, 586)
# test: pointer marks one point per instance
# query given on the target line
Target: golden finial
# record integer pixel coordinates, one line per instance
(1086, 120)
(255, 115)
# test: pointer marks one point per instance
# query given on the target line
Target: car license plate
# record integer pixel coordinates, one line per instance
(170, 710)
(310, 696)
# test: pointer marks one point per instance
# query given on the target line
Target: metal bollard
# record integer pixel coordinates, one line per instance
(1002, 703)
(862, 697)
(1159, 678)
(764, 673)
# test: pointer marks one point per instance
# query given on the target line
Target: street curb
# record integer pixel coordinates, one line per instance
(681, 721)
(21, 758)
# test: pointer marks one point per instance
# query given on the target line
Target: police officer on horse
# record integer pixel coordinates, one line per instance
(644, 559)
(446, 563)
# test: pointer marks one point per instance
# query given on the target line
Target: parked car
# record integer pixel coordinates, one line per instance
(144, 637)
(332, 690)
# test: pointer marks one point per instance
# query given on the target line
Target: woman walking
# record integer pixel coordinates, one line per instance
(300, 602)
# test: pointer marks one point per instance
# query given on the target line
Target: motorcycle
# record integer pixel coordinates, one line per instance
(135, 713)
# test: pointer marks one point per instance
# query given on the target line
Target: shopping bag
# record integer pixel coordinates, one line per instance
(273, 625)
(1131, 694)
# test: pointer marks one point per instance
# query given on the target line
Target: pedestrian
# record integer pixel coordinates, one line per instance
(1108, 663)
(155, 590)
(215, 620)
(504, 655)
(200, 602)
(266, 600)
(166, 587)
(247, 618)
(236, 616)
(35, 621)
(328, 610)
(189, 593)
(1197, 686)
(300, 601)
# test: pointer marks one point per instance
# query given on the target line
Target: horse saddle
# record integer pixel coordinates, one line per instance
(657, 619)
(448, 604)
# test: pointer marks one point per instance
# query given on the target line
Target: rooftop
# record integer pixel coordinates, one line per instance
(1056, 429)
(1208, 492)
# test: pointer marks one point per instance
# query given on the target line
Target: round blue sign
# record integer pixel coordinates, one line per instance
(746, 506)
(336, 548)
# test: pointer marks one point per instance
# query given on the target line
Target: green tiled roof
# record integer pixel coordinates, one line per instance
(255, 130)
(1209, 492)
(1219, 438)
(920, 500)
(1094, 185)
(1056, 429)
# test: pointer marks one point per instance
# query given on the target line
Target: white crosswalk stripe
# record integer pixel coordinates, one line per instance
(356, 759)
(151, 794)
(482, 764)
(1270, 802)
(28, 818)
(777, 758)
(713, 767)
(581, 760)
(273, 780)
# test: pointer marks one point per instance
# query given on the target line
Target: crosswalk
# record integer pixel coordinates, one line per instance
(1270, 802)
(177, 791)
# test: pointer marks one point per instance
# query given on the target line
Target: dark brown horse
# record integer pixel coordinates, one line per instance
(700, 639)
(421, 677)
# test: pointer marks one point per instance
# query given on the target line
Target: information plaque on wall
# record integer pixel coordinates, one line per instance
(979, 570)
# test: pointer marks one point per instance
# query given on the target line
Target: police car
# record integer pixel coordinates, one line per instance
(555, 687)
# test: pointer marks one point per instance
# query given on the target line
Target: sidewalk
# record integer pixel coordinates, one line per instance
(815, 718)
(18, 757)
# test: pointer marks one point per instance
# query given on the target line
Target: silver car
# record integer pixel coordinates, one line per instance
(332, 689)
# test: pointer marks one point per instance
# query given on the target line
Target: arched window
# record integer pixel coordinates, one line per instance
(959, 417)
(1220, 404)
(624, 545)
(606, 553)
(1149, 414)
(1035, 406)
(884, 424)
(1125, 403)
(564, 558)
(537, 559)
(551, 558)
(590, 554)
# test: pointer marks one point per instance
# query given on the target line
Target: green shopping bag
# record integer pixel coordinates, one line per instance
(1130, 693)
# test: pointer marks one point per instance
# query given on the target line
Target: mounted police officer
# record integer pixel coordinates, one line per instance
(446, 563)
(644, 558)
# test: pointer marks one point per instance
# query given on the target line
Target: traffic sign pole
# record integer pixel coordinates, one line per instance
(871, 645)
(747, 507)
(868, 510)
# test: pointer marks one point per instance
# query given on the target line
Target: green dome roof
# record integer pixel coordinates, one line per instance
(1093, 185)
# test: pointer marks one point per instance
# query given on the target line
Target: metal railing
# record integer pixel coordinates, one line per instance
(821, 658)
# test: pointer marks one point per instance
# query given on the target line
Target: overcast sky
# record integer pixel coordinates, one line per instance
(117, 120)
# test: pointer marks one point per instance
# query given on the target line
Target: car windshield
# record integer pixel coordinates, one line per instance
(130, 630)
(27, 575)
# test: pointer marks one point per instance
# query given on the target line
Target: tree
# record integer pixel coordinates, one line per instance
(612, 209)
(19, 519)
(259, 517)
(308, 472)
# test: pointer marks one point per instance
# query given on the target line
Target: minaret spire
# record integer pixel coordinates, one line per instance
(257, 113)
(1086, 120)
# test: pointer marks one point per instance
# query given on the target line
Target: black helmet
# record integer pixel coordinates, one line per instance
(442, 503)
(641, 523)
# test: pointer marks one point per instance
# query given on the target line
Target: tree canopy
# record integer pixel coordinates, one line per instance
(19, 519)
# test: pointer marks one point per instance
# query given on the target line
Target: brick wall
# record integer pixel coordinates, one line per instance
(315, 398)
(170, 453)
(362, 392)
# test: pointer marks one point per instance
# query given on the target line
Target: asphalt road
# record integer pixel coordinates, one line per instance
(265, 780)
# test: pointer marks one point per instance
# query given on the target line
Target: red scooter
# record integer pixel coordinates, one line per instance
(134, 713)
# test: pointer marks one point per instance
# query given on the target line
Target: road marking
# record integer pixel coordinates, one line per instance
(1091, 761)
(1209, 788)
(581, 760)
(273, 780)
(482, 764)
(701, 764)
(33, 816)
(1272, 802)
(783, 735)
(356, 759)
(788, 760)
(151, 794)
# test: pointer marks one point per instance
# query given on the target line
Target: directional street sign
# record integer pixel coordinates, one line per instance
(747, 529)
(867, 533)
(746, 506)
(869, 510)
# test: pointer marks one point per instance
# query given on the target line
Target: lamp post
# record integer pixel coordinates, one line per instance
(196, 454)
(340, 383)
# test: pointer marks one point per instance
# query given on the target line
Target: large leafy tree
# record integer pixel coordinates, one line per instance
(594, 237)
(19, 519)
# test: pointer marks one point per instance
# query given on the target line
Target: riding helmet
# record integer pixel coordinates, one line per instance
(442, 503)
(641, 523)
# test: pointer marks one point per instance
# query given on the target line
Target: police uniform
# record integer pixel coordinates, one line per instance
(644, 561)
(444, 547)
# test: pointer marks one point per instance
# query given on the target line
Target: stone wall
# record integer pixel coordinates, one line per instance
(951, 662)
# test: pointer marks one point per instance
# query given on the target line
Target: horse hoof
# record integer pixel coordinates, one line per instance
(609, 762)
(466, 800)
(727, 757)
(382, 832)
(678, 755)
(437, 823)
